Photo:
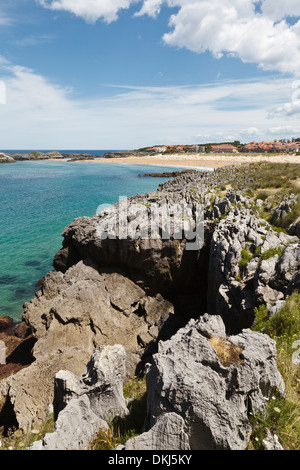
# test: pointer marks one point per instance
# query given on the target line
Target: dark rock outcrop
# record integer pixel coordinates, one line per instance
(6, 158)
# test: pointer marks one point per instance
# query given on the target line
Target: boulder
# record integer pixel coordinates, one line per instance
(86, 404)
(6, 158)
(294, 228)
(36, 155)
(84, 306)
(168, 434)
(70, 316)
(54, 154)
(212, 384)
(102, 383)
(26, 395)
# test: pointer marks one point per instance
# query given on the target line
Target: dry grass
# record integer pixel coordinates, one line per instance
(227, 352)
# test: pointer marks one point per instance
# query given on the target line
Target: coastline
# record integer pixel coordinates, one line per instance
(203, 160)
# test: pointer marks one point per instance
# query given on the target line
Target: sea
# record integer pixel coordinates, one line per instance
(39, 199)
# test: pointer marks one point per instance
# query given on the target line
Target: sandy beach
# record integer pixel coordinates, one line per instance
(202, 160)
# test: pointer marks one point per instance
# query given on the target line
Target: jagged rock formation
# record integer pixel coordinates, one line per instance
(212, 391)
(86, 404)
(139, 288)
(73, 314)
(237, 288)
(201, 386)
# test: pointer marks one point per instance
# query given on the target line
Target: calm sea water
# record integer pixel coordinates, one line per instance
(38, 200)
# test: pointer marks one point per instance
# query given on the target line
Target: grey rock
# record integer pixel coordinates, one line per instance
(294, 228)
(84, 405)
(168, 433)
(236, 291)
(73, 314)
(36, 155)
(30, 391)
(276, 307)
(271, 442)
(75, 428)
(211, 325)
(187, 377)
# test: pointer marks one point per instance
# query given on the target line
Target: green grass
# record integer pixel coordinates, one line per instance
(19, 440)
(246, 256)
(282, 416)
(122, 429)
(272, 252)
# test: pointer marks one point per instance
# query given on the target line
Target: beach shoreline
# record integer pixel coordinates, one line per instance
(203, 160)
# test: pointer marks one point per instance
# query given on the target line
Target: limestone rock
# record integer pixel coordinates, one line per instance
(84, 306)
(294, 228)
(168, 434)
(102, 383)
(188, 377)
(70, 316)
(75, 428)
(271, 442)
(29, 392)
(86, 404)
(234, 288)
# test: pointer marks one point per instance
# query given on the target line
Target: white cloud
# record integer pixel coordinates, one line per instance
(150, 8)
(289, 109)
(280, 9)
(38, 114)
(255, 31)
(284, 131)
(251, 131)
(90, 10)
(234, 27)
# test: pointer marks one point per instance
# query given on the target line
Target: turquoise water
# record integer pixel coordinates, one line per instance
(38, 200)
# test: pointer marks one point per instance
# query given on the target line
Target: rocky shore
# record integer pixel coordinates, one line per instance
(54, 155)
(176, 307)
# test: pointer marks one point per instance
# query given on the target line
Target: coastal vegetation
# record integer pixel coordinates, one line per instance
(122, 429)
(282, 415)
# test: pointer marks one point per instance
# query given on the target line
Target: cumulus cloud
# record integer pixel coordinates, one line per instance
(238, 28)
(90, 10)
(150, 8)
(251, 30)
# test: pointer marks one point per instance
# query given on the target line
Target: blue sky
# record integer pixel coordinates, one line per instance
(96, 74)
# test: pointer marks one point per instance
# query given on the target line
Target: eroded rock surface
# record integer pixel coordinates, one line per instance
(213, 394)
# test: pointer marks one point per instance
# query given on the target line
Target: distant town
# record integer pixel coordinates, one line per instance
(278, 146)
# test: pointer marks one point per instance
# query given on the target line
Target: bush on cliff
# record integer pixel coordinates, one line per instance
(282, 416)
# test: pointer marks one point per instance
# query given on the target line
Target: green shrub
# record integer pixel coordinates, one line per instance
(263, 195)
(272, 252)
(282, 415)
(246, 256)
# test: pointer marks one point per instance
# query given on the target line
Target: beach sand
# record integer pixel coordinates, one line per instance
(198, 160)
(205, 160)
